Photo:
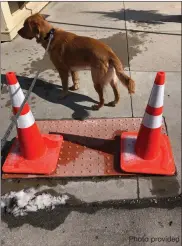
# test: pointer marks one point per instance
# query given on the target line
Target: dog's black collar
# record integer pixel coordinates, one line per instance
(49, 33)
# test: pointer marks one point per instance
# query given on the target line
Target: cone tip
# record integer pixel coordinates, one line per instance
(11, 78)
(160, 78)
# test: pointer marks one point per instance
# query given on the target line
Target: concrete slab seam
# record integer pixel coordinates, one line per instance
(117, 29)
(128, 51)
(158, 202)
(138, 188)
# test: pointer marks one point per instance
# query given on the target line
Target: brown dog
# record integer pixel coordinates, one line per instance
(71, 53)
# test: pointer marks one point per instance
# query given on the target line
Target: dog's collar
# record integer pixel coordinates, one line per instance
(49, 33)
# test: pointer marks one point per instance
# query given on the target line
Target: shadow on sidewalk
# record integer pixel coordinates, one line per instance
(51, 93)
(139, 16)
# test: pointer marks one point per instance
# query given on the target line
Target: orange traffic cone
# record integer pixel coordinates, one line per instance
(149, 151)
(31, 152)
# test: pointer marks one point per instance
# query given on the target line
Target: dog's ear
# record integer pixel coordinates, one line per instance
(42, 16)
(34, 27)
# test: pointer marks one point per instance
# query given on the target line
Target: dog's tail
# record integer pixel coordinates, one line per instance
(125, 80)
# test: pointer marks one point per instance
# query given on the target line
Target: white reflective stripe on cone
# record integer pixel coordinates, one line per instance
(26, 120)
(16, 95)
(151, 121)
(157, 96)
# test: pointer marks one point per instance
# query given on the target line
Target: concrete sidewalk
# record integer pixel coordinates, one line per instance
(154, 42)
(95, 227)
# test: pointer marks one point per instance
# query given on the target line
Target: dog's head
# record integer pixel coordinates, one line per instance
(34, 26)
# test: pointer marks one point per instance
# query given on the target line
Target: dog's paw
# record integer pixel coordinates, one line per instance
(74, 87)
(96, 107)
(63, 95)
(111, 104)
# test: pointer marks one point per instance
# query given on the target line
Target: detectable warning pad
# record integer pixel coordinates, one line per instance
(90, 147)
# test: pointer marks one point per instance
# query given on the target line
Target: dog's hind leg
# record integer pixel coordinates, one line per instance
(113, 83)
(98, 75)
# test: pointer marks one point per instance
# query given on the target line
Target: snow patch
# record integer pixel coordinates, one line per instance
(129, 147)
(25, 201)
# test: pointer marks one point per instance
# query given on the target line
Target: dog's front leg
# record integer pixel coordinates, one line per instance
(64, 78)
(75, 80)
